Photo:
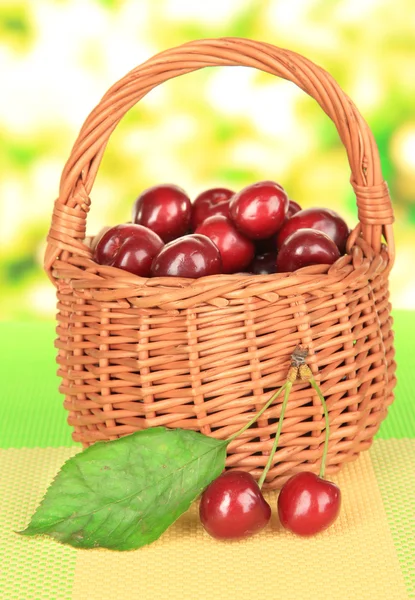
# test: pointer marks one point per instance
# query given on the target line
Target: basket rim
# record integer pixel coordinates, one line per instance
(88, 281)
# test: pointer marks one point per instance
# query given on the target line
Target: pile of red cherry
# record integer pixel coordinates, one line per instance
(257, 230)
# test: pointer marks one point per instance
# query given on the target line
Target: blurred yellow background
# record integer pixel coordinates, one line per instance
(224, 126)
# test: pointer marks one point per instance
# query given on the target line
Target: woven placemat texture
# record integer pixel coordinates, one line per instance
(358, 557)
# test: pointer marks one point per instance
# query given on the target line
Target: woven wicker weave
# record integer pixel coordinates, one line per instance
(205, 354)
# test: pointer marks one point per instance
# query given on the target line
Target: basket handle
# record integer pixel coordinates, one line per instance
(375, 212)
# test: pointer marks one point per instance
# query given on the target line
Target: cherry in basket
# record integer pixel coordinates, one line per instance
(293, 208)
(190, 256)
(268, 245)
(128, 246)
(320, 219)
(165, 209)
(306, 247)
(236, 250)
(265, 246)
(259, 210)
(264, 264)
(214, 201)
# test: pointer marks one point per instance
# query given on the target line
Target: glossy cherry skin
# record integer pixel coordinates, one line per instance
(233, 507)
(308, 504)
(306, 247)
(236, 250)
(189, 256)
(259, 210)
(211, 202)
(293, 208)
(320, 219)
(165, 209)
(270, 244)
(130, 247)
(264, 264)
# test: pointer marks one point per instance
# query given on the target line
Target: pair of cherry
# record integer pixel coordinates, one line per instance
(233, 506)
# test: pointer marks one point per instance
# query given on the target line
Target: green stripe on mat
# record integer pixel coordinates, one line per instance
(393, 464)
(31, 412)
(31, 568)
(400, 422)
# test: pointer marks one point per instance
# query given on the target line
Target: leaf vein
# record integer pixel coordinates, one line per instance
(197, 459)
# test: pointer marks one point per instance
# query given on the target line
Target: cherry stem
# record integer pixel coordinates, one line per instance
(299, 371)
(313, 382)
(263, 409)
(288, 387)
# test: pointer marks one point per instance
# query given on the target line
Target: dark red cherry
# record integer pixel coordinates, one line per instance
(233, 506)
(293, 208)
(320, 219)
(211, 202)
(189, 256)
(306, 247)
(308, 504)
(259, 210)
(130, 247)
(266, 246)
(165, 209)
(236, 250)
(264, 264)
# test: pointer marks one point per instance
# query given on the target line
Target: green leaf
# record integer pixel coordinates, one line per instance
(125, 493)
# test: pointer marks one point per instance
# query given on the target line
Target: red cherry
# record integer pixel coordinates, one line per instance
(293, 208)
(320, 219)
(236, 250)
(189, 256)
(213, 196)
(264, 264)
(165, 209)
(233, 506)
(306, 247)
(210, 202)
(308, 504)
(259, 210)
(216, 209)
(129, 247)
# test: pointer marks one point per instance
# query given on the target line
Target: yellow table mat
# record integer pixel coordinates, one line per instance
(367, 554)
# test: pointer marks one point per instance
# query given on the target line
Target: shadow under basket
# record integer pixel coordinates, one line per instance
(206, 354)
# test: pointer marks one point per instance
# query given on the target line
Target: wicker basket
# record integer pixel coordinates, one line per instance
(205, 354)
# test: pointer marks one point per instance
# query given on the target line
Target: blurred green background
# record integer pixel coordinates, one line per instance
(223, 126)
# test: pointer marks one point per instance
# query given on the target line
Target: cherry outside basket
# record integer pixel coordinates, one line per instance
(206, 354)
